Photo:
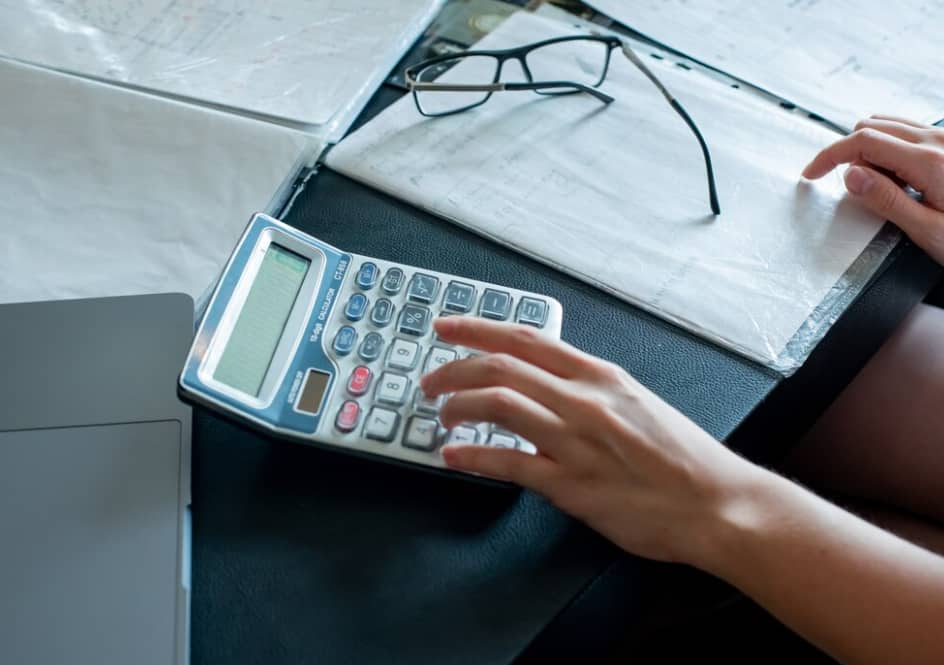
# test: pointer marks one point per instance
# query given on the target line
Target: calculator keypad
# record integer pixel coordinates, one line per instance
(403, 355)
(392, 388)
(380, 400)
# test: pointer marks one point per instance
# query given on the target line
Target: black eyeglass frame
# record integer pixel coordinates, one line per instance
(551, 87)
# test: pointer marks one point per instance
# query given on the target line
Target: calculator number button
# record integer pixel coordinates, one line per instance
(382, 312)
(367, 275)
(532, 312)
(392, 281)
(462, 435)
(381, 424)
(347, 417)
(499, 440)
(438, 357)
(356, 306)
(392, 388)
(459, 297)
(359, 381)
(426, 404)
(371, 347)
(495, 304)
(403, 355)
(423, 288)
(421, 433)
(414, 320)
(344, 340)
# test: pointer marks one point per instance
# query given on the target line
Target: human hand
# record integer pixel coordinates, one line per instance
(609, 451)
(887, 153)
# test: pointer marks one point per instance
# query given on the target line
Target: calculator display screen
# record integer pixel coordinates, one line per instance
(260, 324)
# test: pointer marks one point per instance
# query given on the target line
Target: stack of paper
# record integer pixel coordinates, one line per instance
(107, 191)
(842, 59)
(314, 62)
(617, 194)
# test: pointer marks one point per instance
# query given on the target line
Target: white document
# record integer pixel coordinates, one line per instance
(617, 196)
(841, 59)
(309, 61)
(106, 191)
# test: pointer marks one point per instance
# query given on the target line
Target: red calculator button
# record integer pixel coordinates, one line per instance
(347, 416)
(359, 382)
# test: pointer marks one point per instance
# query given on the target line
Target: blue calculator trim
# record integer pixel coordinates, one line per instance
(280, 414)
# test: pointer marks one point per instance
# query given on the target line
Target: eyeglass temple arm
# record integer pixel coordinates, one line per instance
(712, 188)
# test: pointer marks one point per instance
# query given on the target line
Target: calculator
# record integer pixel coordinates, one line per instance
(313, 344)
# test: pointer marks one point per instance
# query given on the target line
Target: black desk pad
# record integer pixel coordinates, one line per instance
(304, 555)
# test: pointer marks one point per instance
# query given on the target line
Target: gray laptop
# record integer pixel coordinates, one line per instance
(94, 482)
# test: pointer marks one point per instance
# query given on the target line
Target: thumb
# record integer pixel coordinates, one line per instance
(886, 198)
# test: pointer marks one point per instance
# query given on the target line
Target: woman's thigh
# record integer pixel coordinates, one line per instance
(883, 438)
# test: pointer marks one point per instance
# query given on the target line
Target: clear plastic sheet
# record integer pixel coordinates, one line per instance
(616, 195)
(312, 62)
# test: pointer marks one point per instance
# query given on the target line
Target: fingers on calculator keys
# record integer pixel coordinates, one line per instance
(462, 434)
(495, 304)
(382, 313)
(421, 433)
(359, 381)
(427, 405)
(532, 312)
(437, 357)
(403, 354)
(347, 417)
(356, 306)
(367, 275)
(381, 424)
(392, 388)
(344, 340)
(392, 281)
(501, 440)
(371, 347)
(423, 288)
(414, 320)
(459, 297)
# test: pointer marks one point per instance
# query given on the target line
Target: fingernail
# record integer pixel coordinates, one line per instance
(858, 180)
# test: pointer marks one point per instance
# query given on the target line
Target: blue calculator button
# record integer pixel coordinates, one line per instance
(392, 281)
(356, 306)
(371, 347)
(367, 275)
(382, 313)
(344, 340)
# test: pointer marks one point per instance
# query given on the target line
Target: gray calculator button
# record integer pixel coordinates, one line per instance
(499, 440)
(381, 424)
(425, 404)
(459, 297)
(392, 388)
(421, 433)
(382, 312)
(414, 320)
(403, 355)
(371, 347)
(532, 311)
(462, 434)
(423, 288)
(495, 305)
(344, 340)
(392, 281)
(438, 357)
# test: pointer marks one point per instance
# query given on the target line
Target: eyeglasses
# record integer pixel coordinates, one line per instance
(560, 66)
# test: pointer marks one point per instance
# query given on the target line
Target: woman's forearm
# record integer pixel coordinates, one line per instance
(858, 592)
